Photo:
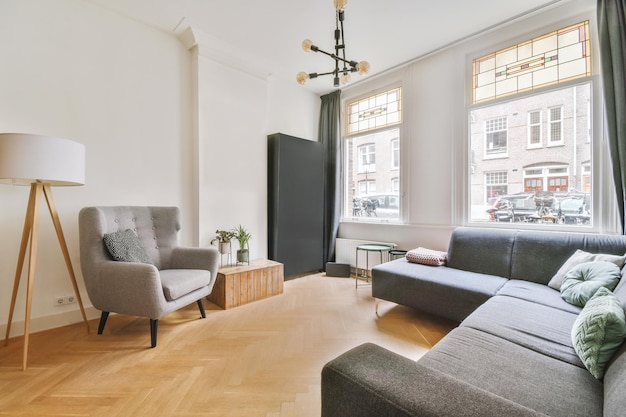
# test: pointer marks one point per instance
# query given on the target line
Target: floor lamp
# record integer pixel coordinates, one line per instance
(41, 162)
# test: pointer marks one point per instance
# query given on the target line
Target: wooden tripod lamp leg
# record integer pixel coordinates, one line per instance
(28, 224)
(32, 260)
(66, 255)
(31, 233)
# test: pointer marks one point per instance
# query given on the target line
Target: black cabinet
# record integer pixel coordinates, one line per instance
(295, 203)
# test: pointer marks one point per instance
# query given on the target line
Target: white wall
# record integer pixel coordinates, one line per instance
(435, 91)
(129, 92)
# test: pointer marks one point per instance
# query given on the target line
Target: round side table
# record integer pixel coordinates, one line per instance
(396, 253)
(383, 250)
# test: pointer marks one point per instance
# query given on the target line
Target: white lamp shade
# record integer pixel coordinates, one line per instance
(27, 158)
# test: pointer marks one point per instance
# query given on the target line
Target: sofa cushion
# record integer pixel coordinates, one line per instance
(125, 246)
(444, 291)
(179, 282)
(521, 375)
(599, 331)
(538, 255)
(579, 257)
(486, 251)
(537, 293)
(582, 281)
(543, 329)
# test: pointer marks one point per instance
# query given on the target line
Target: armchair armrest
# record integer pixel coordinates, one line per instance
(370, 381)
(196, 258)
(128, 288)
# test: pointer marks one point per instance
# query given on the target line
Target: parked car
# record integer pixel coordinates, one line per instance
(574, 209)
(514, 208)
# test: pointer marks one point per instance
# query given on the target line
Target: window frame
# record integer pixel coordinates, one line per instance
(501, 154)
(365, 167)
(400, 170)
(555, 122)
(531, 125)
(394, 145)
(489, 183)
(604, 212)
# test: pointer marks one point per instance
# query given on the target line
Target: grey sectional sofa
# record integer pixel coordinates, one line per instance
(512, 354)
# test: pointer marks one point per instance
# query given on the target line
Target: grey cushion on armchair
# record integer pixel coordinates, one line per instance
(178, 276)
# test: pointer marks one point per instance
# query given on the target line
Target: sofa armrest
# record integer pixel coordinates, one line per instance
(370, 381)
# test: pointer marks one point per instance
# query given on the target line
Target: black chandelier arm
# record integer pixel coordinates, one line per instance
(341, 72)
(343, 40)
(334, 72)
(335, 57)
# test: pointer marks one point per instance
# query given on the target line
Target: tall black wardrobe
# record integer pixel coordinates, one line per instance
(295, 203)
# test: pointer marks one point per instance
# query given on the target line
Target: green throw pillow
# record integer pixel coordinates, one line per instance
(579, 257)
(599, 331)
(125, 246)
(582, 281)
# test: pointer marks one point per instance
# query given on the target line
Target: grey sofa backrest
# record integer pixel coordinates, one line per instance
(156, 227)
(486, 251)
(538, 255)
(525, 254)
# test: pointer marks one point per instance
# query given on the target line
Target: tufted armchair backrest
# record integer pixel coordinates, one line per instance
(156, 227)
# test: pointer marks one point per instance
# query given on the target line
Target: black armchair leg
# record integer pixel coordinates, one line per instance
(103, 321)
(154, 324)
(201, 307)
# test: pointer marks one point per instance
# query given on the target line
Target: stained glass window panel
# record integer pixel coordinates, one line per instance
(549, 59)
(375, 112)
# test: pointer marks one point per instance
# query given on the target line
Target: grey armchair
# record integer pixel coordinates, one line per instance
(178, 276)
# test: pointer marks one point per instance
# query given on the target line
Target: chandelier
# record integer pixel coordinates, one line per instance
(343, 66)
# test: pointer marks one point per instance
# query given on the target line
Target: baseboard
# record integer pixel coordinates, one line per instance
(53, 321)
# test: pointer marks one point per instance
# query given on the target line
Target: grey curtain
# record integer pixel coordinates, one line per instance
(611, 16)
(330, 137)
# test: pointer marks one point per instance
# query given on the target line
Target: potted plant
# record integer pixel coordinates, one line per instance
(223, 239)
(243, 236)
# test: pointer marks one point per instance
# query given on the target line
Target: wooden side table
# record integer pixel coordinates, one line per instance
(237, 285)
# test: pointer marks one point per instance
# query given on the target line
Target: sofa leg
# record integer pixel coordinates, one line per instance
(154, 324)
(103, 321)
(201, 307)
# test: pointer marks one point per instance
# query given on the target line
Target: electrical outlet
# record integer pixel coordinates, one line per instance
(68, 299)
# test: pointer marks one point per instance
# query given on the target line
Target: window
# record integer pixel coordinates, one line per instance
(367, 187)
(495, 136)
(374, 112)
(556, 126)
(395, 153)
(395, 185)
(367, 158)
(534, 129)
(555, 57)
(371, 148)
(496, 184)
(508, 156)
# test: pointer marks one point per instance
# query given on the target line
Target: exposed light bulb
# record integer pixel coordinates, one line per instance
(302, 77)
(306, 45)
(363, 67)
(345, 78)
(340, 4)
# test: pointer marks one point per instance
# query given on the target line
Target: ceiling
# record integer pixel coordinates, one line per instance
(270, 32)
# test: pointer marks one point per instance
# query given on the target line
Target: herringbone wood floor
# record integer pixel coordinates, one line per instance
(261, 359)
